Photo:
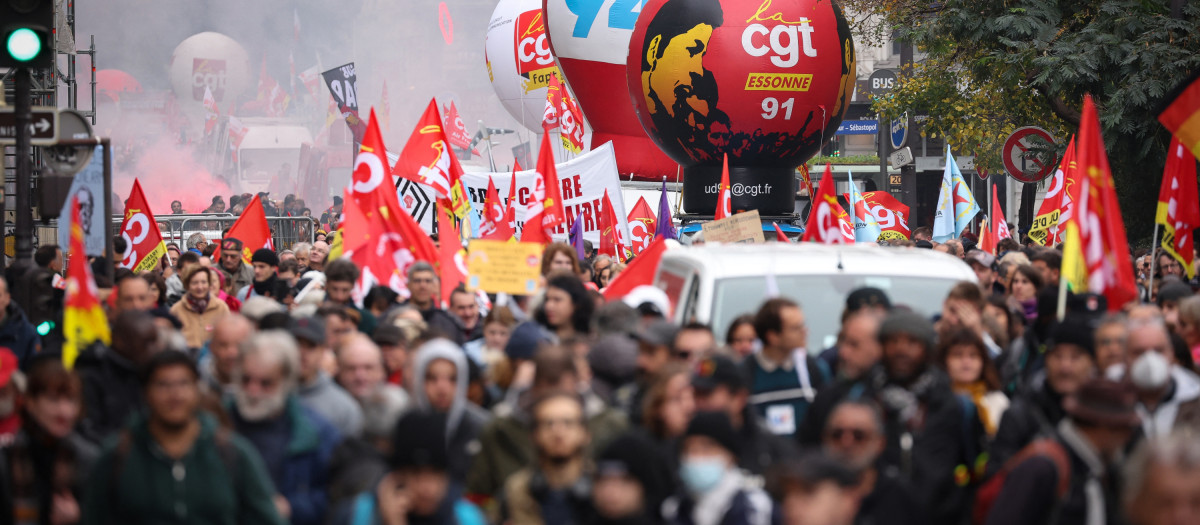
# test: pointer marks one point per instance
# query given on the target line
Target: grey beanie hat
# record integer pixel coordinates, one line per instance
(910, 323)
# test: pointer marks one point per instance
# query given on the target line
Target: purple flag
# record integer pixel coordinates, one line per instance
(576, 237)
(665, 229)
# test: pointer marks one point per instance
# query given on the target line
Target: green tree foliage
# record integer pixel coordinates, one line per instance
(994, 65)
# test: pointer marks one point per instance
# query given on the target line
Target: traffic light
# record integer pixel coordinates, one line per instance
(26, 33)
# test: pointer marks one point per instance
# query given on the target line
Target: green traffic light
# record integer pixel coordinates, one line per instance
(23, 45)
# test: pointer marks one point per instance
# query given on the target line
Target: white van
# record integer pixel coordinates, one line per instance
(715, 283)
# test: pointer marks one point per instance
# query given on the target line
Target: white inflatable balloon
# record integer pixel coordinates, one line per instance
(519, 62)
(210, 60)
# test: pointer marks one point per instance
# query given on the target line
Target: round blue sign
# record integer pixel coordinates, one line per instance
(899, 132)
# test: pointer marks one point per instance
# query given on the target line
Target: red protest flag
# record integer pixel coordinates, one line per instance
(371, 181)
(456, 131)
(452, 266)
(428, 159)
(891, 214)
(570, 122)
(779, 235)
(612, 242)
(1178, 212)
(999, 223)
(828, 222)
(642, 225)
(545, 206)
(640, 271)
(987, 241)
(252, 229)
(1182, 116)
(493, 213)
(1096, 252)
(354, 225)
(1049, 225)
(143, 240)
(83, 318)
(554, 96)
(724, 195)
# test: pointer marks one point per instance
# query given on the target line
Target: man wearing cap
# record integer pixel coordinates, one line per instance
(654, 339)
(1069, 361)
(265, 264)
(232, 264)
(783, 378)
(720, 387)
(317, 390)
(418, 487)
(984, 265)
(714, 490)
(1102, 417)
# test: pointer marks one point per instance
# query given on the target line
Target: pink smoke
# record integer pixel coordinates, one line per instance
(169, 172)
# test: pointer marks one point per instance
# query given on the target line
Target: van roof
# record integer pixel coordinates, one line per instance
(737, 260)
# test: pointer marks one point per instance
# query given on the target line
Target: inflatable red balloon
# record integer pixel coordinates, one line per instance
(765, 81)
(590, 39)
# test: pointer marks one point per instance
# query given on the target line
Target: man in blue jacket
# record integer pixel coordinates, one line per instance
(16, 333)
(295, 443)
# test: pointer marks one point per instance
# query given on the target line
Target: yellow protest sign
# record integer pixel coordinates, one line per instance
(743, 227)
(503, 266)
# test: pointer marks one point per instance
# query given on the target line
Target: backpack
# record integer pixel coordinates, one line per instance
(1045, 447)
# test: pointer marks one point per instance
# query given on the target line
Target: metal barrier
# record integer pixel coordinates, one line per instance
(285, 231)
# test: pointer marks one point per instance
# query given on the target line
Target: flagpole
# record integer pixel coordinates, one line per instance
(1153, 260)
(1062, 298)
(487, 136)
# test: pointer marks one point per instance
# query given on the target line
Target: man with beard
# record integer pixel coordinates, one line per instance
(556, 488)
(681, 94)
(177, 463)
(854, 435)
(232, 264)
(265, 263)
(361, 373)
(294, 442)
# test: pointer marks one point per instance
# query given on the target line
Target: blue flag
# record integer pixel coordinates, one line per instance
(665, 228)
(956, 205)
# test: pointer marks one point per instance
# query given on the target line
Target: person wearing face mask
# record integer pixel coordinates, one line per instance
(715, 491)
(1168, 395)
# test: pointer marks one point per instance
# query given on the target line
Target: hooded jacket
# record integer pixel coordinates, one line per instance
(1181, 408)
(465, 420)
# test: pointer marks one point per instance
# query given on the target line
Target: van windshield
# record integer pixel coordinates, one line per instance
(823, 297)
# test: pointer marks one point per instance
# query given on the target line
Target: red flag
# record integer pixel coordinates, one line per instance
(211, 112)
(640, 271)
(452, 266)
(252, 229)
(987, 240)
(570, 123)
(143, 241)
(554, 97)
(355, 226)
(83, 318)
(999, 223)
(427, 159)
(723, 193)
(545, 206)
(779, 235)
(237, 133)
(806, 179)
(891, 214)
(828, 222)
(1096, 254)
(642, 226)
(510, 208)
(371, 181)
(456, 131)
(1049, 225)
(1178, 209)
(612, 242)
(493, 213)
(1182, 116)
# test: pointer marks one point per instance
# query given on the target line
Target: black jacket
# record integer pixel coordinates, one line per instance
(760, 448)
(18, 335)
(1033, 413)
(890, 502)
(111, 392)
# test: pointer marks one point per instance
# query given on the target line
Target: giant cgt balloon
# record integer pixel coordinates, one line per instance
(519, 60)
(590, 39)
(765, 81)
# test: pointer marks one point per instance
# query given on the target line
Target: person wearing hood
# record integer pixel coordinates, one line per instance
(1168, 395)
(630, 482)
(715, 491)
(440, 380)
(418, 489)
(265, 263)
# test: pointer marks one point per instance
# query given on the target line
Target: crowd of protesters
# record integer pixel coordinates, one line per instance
(266, 393)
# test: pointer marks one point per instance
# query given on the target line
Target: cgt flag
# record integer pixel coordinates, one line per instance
(891, 214)
(612, 241)
(452, 263)
(1052, 216)
(427, 159)
(1096, 252)
(83, 318)
(724, 195)
(866, 226)
(828, 222)
(545, 211)
(143, 241)
(1182, 116)
(641, 226)
(1177, 205)
(252, 229)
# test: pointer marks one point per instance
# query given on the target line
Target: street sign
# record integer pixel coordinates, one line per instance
(1023, 164)
(899, 131)
(43, 128)
(883, 81)
(68, 160)
(858, 127)
(900, 158)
